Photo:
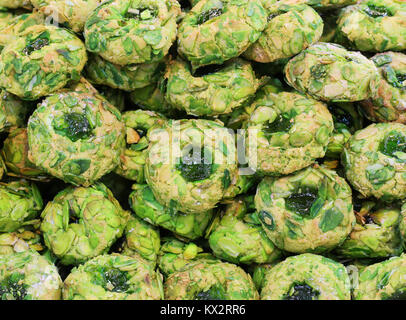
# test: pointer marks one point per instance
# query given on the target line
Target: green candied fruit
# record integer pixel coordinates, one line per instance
(41, 61)
(374, 160)
(282, 123)
(113, 277)
(86, 132)
(27, 275)
(289, 130)
(81, 223)
(237, 236)
(376, 233)
(392, 143)
(382, 281)
(75, 126)
(373, 25)
(174, 255)
(197, 177)
(302, 291)
(188, 226)
(329, 72)
(141, 238)
(306, 277)
(210, 280)
(389, 101)
(208, 15)
(290, 30)
(211, 90)
(133, 157)
(214, 31)
(70, 13)
(129, 32)
(20, 204)
(192, 167)
(302, 202)
(308, 211)
(128, 78)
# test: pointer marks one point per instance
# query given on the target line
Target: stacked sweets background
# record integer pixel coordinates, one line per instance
(116, 121)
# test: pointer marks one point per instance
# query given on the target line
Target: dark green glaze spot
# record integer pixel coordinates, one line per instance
(375, 11)
(35, 45)
(282, 123)
(318, 71)
(208, 15)
(113, 280)
(195, 166)
(394, 142)
(301, 291)
(75, 126)
(216, 292)
(116, 280)
(301, 203)
(12, 287)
